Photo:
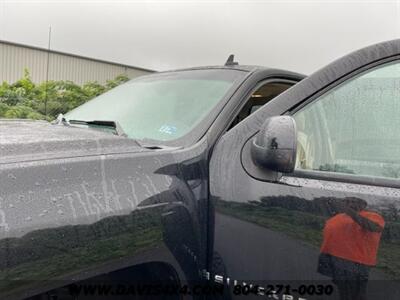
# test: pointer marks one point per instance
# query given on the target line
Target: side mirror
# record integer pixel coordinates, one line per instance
(274, 147)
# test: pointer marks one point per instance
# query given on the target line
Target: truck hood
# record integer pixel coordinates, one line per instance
(28, 140)
(76, 201)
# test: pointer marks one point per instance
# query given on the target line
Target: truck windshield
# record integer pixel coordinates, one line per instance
(161, 107)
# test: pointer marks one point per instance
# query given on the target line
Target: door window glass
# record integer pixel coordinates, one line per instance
(354, 128)
(260, 97)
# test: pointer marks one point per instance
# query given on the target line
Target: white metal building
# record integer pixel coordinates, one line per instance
(14, 58)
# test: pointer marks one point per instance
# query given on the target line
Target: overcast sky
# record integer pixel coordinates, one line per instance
(297, 35)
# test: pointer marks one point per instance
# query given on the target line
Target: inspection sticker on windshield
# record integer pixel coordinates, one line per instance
(168, 129)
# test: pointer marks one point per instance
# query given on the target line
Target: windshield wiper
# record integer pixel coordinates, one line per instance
(113, 124)
(143, 143)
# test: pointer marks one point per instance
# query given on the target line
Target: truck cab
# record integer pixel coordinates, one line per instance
(176, 184)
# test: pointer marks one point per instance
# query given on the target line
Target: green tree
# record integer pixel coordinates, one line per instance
(25, 99)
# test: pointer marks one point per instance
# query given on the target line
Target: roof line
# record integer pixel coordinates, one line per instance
(73, 55)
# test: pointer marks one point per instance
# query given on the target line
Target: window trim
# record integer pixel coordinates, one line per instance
(346, 178)
(337, 176)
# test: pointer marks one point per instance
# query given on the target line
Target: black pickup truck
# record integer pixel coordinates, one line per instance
(173, 185)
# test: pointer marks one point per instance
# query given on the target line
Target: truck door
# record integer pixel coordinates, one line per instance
(330, 227)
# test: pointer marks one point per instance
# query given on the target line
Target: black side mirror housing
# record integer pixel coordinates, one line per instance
(275, 145)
